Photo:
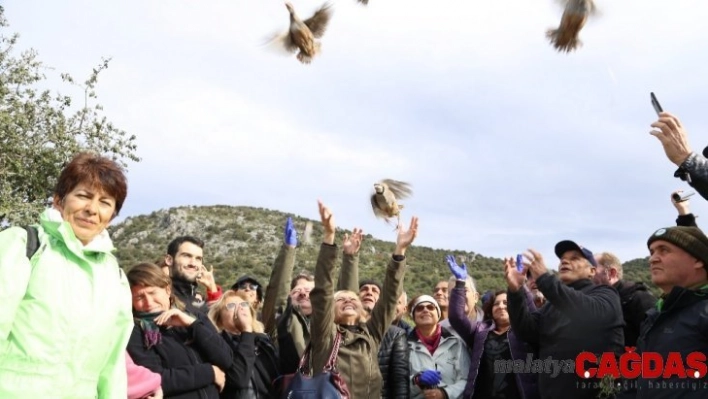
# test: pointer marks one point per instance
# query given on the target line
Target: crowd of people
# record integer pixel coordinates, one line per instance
(74, 325)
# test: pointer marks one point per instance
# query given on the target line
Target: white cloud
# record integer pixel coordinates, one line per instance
(508, 143)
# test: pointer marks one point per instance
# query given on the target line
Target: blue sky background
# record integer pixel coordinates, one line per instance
(508, 144)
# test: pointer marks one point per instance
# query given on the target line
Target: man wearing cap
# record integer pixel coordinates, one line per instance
(678, 263)
(579, 316)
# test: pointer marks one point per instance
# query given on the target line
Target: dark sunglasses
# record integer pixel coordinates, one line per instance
(246, 285)
(429, 307)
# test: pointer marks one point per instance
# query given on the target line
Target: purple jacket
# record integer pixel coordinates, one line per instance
(475, 334)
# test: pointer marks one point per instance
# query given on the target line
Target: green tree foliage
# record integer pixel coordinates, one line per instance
(40, 131)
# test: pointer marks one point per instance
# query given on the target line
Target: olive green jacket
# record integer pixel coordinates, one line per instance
(357, 360)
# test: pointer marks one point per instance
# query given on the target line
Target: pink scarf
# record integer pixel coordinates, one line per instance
(431, 342)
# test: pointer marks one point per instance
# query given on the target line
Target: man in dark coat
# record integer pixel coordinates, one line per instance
(679, 322)
(579, 316)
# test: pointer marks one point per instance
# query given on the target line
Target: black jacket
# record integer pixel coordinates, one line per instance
(185, 291)
(681, 326)
(184, 359)
(636, 300)
(255, 366)
(289, 356)
(394, 364)
(577, 317)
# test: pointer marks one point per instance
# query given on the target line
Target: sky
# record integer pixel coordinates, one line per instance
(507, 143)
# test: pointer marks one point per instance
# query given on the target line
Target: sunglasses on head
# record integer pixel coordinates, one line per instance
(429, 307)
(232, 305)
(248, 285)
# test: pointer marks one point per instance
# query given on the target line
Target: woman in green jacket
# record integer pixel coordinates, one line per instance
(342, 312)
(65, 317)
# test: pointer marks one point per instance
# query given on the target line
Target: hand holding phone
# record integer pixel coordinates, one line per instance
(519, 262)
(655, 104)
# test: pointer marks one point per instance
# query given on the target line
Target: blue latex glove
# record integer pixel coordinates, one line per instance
(290, 233)
(429, 378)
(460, 272)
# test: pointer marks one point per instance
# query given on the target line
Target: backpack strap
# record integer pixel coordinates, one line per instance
(32, 240)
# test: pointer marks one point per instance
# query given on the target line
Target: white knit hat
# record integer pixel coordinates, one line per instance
(423, 299)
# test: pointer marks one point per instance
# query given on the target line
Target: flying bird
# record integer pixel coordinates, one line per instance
(302, 34)
(384, 199)
(576, 13)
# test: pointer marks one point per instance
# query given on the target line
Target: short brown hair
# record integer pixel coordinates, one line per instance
(98, 172)
(301, 276)
(151, 275)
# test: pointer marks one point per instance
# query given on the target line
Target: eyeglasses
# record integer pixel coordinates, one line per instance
(429, 307)
(246, 285)
(232, 305)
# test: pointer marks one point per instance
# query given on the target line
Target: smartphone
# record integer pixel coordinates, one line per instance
(519, 262)
(655, 104)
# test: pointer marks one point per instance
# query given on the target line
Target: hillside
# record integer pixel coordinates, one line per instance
(245, 240)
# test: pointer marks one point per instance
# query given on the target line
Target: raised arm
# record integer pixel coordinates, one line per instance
(601, 303)
(685, 217)
(692, 167)
(385, 309)
(276, 294)
(322, 296)
(456, 310)
(349, 272)
(524, 322)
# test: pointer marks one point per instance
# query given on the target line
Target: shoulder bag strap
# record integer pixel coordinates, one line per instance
(332, 361)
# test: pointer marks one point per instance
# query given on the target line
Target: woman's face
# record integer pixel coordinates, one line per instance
(499, 312)
(347, 308)
(87, 210)
(425, 314)
(235, 308)
(150, 299)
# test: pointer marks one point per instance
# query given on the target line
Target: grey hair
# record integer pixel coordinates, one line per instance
(468, 283)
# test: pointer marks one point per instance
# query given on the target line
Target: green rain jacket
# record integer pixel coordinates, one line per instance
(65, 316)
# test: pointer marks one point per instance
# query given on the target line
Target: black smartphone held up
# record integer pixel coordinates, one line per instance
(655, 104)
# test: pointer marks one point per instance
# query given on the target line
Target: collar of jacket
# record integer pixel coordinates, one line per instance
(54, 225)
(183, 288)
(680, 297)
(445, 333)
(580, 284)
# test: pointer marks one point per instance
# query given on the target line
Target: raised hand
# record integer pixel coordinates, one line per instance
(352, 243)
(406, 237)
(206, 278)
(243, 319)
(673, 137)
(514, 278)
(682, 206)
(460, 272)
(174, 318)
(290, 233)
(327, 222)
(537, 266)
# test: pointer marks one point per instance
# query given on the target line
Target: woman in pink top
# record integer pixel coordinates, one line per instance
(142, 383)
